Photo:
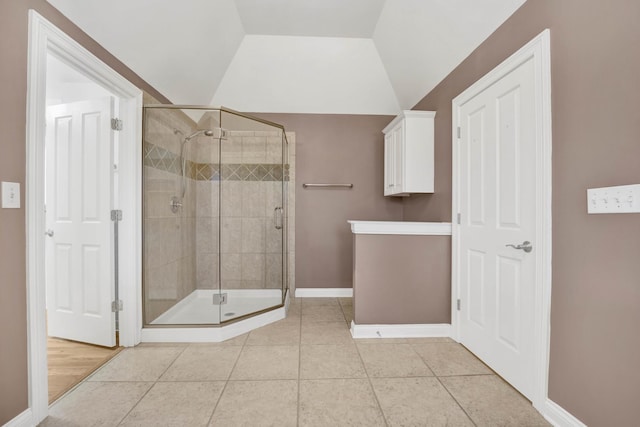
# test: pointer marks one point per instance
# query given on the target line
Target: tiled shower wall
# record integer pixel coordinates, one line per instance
(168, 239)
(181, 250)
(250, 190)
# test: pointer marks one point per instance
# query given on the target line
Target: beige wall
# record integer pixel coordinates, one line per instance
(13, 75)
(337, 149)
(595, 344)
(401, 279)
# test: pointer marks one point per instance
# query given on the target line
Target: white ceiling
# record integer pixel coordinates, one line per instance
(317, 18)
(316, 75)
(301, 56)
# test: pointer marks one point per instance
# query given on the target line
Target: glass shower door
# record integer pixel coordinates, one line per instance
(252, 216)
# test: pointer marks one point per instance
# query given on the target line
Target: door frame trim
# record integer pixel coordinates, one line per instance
(539, 50)
(45, 38)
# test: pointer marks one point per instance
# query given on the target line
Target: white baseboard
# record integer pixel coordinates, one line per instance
(558, 416)
(401, 331)
(324, 292)
(25, 419)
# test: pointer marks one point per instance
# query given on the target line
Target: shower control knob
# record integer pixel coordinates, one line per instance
(175, 204)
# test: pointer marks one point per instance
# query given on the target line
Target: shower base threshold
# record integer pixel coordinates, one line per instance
(195, 318)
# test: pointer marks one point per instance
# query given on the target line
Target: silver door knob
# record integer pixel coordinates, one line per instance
(525, 246)
(49, 233)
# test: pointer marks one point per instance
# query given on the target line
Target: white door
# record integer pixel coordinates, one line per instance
(78, 249)
(497, 194)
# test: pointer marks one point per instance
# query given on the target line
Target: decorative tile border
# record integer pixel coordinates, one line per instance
(159, 158)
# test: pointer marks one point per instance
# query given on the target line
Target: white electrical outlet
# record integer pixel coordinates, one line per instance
(10, 195)
(619, 199)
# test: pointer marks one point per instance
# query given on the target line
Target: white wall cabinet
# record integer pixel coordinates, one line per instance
(408, 154)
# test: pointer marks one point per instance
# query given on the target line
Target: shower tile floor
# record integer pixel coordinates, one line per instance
(305, 370)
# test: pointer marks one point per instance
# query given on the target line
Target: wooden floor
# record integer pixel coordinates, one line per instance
(70, 362)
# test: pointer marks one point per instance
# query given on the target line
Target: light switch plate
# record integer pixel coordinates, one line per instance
(618, 199)
(10, 195)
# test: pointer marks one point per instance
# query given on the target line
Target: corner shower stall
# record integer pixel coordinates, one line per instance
(215, 186)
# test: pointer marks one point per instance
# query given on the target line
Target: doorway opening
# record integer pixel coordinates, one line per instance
(121, 189)
(79, 250)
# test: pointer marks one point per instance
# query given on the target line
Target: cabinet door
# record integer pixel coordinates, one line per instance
(398, 159)
(389, 163)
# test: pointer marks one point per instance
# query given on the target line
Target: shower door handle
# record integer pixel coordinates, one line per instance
(277, 213)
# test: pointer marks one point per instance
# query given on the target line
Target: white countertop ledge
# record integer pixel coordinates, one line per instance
(401, 227)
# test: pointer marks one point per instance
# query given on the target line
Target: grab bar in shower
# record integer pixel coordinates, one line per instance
(327, 185)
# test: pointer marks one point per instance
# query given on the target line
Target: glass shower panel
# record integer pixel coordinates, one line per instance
(180, 215)
(252, 216)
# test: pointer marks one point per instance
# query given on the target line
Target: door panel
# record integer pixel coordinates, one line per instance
(61, 298)
(60, 188)
(508, 309)
(91, 256)
(476, 293)
(477, 169)
(91, 167)
(79, 271)
(508, 160)
(497, 203)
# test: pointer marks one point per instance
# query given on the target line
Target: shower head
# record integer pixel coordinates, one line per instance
(183, 159)
(206, 132)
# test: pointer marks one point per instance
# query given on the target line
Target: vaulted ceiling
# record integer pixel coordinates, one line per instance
(294, 56)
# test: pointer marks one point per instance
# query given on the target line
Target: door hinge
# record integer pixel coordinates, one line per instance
(116, 124)
(116, 215)
(116, 306)
(459, 132)
(458, 304)
(459, 218)
(219, 299)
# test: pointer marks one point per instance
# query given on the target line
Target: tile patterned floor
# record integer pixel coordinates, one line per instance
(305, 370)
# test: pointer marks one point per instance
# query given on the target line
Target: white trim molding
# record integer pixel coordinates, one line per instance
(324, 292)
(558, 416)
(408, 113)
(537, 50)
(442, 330)
(401, 227)
(24, 419)
(45, 39)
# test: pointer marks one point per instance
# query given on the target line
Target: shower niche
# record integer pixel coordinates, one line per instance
(215, 217)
